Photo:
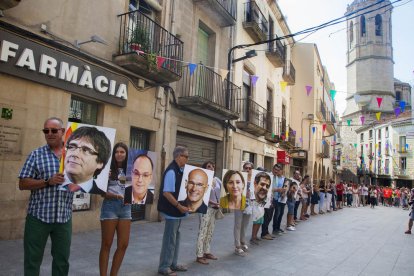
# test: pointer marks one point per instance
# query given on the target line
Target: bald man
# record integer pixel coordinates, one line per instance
(196, 186)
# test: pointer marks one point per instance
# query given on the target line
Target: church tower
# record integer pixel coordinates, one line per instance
(370, 65)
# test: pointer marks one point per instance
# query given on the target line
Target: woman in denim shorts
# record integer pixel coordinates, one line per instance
(115, 215)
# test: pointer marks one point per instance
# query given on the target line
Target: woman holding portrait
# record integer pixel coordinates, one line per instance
(115, 215)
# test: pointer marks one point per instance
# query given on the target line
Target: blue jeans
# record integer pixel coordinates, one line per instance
(170, 245)
(278, 215)
(321, 201)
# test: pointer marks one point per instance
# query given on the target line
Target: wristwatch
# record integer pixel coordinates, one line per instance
(47, 182)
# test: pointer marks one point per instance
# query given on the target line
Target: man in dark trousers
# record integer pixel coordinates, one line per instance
(50, 209)
(173, 212)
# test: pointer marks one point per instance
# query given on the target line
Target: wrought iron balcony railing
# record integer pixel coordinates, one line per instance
(253, 117)
(289, 73)
(204, 91)
(255, 21)
(223, 11)
(140, 35)
(276, 52)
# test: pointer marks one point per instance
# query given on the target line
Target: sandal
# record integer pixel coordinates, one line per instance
(210, 256)
(179, 268)
(407, 232)
(240, 252)
(168, 272)
(202, 260)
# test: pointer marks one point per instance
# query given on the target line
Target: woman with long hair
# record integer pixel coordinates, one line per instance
(115, 215)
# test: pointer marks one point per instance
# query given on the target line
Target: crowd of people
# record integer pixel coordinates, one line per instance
(50, 208)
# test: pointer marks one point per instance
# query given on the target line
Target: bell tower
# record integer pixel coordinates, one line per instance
(370, 65)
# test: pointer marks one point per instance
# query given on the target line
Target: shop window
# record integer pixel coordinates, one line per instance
(83, 111)
(139, 139)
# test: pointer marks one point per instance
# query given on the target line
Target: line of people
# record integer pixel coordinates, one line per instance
(50, 209)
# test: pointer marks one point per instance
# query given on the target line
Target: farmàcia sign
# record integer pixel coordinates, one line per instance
(33, 61)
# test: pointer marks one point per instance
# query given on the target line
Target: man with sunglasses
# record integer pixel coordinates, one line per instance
(196, 186)
(50, 210)
(87, 152)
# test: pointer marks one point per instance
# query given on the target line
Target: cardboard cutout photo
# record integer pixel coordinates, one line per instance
(233, 190)
(269, 193)
(85, 158)
(262, 183)
(141, 177)
(195, 188)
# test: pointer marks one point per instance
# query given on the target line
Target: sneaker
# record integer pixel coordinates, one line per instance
(291, 228)
(408, 232)
(240, 252)
(245, 248)
(280, 232)
(267, 237)
(307, 215)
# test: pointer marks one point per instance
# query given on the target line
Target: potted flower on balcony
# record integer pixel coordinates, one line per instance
(140, 42)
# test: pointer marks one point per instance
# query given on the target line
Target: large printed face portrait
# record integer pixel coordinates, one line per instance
(141, 176)
(87, 153)
(233, 190)
(195, 188)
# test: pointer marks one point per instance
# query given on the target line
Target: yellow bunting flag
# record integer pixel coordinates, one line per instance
(378, 114)
(283, 86)
(223, 73)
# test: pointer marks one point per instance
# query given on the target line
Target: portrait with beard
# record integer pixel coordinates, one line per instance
(262, 184)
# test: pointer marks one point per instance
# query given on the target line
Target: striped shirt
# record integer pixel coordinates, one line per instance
(47, 204)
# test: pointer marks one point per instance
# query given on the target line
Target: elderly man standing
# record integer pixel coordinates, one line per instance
(50, 210)
(173, 212)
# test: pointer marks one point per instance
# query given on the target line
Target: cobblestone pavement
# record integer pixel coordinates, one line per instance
(352, 241)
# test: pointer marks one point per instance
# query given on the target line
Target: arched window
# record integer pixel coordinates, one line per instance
(351, 32)
(378, 25)
(363, 27)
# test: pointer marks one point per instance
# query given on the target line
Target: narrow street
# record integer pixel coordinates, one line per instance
(352, 241)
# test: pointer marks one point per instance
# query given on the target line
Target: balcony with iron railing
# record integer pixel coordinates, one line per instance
(289, 73)
(144, 45)
(253, 117)
(204, 92)
(224, 12)
(276, 52)
(274, 128)
(320, 110)
(255, 22)
(323, 149)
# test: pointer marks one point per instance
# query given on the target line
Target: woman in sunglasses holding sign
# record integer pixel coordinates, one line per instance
(115, 215)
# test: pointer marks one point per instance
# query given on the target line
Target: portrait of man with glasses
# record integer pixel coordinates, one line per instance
(142, 169)
(195, 189)
(88, 150)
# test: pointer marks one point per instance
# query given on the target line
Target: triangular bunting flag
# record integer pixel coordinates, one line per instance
(223, 73)
(308, 89)
(402, 105)
(323, 127)
(313, 129)
(397, 111)
(160, 61)
(355, 145)
(192, 68)
(283, 86)
(362, 119)
(349, 122)
(333, 93)
(254, 79)
(379, 101)
(378, 115)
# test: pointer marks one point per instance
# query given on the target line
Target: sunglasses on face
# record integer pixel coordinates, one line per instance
(47, 130)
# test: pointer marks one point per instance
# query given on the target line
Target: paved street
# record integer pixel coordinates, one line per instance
(353, 241)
